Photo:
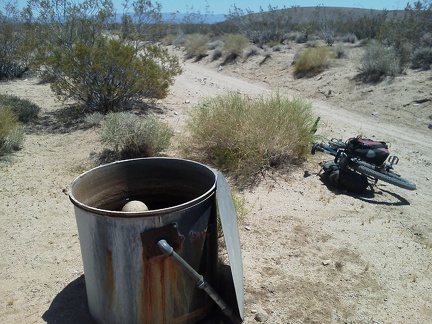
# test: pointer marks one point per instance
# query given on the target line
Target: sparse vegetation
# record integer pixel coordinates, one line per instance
(250, 50)
(11, 131)
(235, 44)
(378, 61)
(23, 109)
(422, 56)
(340, 51)
(130, 136)
(103, 73)
(250, 135)
(196, 46)
(94, 119)
(312, 61)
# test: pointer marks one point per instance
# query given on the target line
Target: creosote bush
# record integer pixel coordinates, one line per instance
(249, 135)
(312, 61)
(130, 136)
(108, 74)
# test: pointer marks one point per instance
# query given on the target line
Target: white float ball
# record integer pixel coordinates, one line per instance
(134, 206)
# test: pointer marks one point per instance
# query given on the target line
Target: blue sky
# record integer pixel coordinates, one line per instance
(223, 6)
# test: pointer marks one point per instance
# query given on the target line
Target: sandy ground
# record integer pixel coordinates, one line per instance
(311, 254)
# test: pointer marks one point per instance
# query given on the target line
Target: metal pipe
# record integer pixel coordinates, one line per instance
(200, 282)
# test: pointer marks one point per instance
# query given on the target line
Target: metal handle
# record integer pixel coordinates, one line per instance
(200, 282)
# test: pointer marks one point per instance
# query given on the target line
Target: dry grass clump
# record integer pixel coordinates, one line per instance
(251, 50)
(249, 135)
(11, 131)
(196, 45)
(312, 61)
(131, 136)
(235, 44)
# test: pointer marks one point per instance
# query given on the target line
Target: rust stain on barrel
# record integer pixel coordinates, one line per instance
(153, 308)
(109, 280)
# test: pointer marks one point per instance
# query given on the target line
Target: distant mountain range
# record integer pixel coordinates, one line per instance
(296, 14)
(179, 17)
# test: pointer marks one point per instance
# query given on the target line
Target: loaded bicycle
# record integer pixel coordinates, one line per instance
(359, 163)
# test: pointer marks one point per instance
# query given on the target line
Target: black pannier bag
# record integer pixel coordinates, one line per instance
(343, 179)
(368, 150)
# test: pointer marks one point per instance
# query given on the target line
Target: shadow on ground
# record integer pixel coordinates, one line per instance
(370, 195)
(70, 305)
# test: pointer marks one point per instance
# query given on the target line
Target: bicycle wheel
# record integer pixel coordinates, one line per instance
(389, 177)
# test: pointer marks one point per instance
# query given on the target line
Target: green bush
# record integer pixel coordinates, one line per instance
(248, 136)
(24, 109)
(378, 61)
(108, 74)
(11, 131)
(85, 63)
(131, 136)
(312, 61)
(196, 45)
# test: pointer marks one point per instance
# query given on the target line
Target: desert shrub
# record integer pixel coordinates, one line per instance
(422, 56)
(312, 61)
(300, 38)
(24, 109)
(248, 136)
(215, 44)
(11, 131)
(131, 136)
(313, 43)
(378, 61)
(277, 48)
(108, 74)
(168, 40)
(250, 50)
(348, 38)
(196, 45)
(93, 119)
(216, 54)
(235, 44)
(14, 59)
(340, 51)
(328, 38)
(103, 73)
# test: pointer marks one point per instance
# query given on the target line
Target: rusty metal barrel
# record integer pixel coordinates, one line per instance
(128, 279)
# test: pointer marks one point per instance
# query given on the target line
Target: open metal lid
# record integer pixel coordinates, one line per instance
(228, 216)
